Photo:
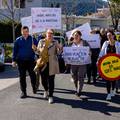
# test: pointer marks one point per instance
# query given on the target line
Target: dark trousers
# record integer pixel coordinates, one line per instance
(24, 66)
(109, 85)
(47, 80)
(92, 68)
(92, 71)
(117, 84)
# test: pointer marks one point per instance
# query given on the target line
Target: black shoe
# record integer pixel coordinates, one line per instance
(23, 95)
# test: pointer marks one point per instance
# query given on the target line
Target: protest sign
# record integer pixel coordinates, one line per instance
(85, 30)
(93, 40)
(76, 55)
(109, 67)
(27, 21)
(45, 18)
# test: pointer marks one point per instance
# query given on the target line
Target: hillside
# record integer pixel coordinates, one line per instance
(82, 7)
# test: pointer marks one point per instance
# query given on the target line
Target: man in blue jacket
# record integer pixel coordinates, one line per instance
(24, 57)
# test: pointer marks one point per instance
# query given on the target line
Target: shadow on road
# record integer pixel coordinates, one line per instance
(92, 101)
(91, 105)
(33, 97)
(99, 83)
(65, 91)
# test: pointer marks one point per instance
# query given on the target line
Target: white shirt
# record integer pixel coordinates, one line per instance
(77, 45)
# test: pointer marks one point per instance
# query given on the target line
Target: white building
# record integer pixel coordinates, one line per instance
(22, 9)
(100, 19)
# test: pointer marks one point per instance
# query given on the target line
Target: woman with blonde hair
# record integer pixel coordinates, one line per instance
(51, 66)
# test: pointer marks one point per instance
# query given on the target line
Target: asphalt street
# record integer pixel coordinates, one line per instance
(90, 106)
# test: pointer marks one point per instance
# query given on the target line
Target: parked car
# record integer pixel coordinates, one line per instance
(2, 58)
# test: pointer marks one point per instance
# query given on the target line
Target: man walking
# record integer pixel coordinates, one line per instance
(24, 57)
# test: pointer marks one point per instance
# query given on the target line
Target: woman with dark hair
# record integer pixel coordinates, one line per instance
(110, 46)
(78, 71)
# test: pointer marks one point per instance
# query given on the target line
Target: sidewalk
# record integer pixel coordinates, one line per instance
(8, 77)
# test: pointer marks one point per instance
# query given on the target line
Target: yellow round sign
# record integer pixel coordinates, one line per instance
(109, 67)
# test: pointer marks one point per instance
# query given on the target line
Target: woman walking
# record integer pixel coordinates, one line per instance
(78, 71)
(110, 46)
(51, 66)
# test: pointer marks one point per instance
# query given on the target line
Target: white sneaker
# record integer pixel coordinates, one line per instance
(45, 95)
(112, 93)
(50, 100)
(108, 97)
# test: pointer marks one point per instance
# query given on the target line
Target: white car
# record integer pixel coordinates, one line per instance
(2, 58)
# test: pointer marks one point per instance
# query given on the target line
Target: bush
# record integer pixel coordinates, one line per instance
(8, 52)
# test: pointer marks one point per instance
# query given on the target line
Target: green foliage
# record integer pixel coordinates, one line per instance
(57, 33)
(8, 52)
(115, 11)
(115, 1)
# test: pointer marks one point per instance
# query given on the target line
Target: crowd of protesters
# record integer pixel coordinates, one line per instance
(27, 50)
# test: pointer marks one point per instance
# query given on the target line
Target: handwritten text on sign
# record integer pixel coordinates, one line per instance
(77, 55)
(45, 18)
(27, 21)
(109, 67)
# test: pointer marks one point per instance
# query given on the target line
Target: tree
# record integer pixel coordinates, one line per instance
(68, 12)
(10, 13)
(114, 6)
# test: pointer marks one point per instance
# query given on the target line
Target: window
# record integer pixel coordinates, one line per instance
(22, 3)
(19, 3)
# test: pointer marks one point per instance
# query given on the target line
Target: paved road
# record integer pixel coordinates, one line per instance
(91, 105)
(8, 77)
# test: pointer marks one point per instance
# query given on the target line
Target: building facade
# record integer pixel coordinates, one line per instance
(22, 8)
